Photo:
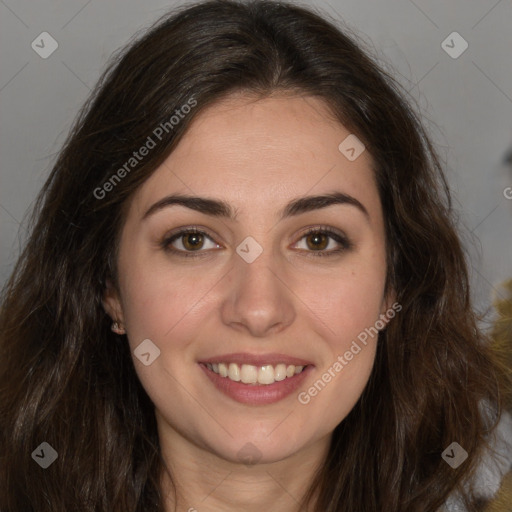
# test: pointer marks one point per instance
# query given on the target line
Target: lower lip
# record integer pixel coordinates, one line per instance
(255, 394)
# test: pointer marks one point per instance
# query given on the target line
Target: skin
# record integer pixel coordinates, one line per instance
(256, 155)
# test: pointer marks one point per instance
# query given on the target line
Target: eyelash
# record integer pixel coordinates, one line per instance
(325, 230)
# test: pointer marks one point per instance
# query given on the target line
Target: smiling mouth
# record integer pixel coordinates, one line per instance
(256, 375)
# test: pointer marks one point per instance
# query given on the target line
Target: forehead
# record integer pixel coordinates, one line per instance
(260, 153)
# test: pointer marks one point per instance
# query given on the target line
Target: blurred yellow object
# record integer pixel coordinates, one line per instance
(502, 335)
(502, 502)
(502, 345)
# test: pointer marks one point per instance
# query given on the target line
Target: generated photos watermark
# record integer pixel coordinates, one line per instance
(151, 142)
(304, 397)
(454, 455)
(249, 454)
(45, 455)
(146, 352)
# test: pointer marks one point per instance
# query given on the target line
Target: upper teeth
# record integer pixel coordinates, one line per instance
(249, 374)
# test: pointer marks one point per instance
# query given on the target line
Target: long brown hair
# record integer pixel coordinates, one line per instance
(67, 380)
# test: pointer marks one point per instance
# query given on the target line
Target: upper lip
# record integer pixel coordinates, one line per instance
(256, 359)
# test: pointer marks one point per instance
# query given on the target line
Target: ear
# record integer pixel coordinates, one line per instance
(112, 303)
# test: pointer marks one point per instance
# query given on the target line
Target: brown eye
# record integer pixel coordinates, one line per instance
(317, 241)
(192, 241)
(324, 241)
(189, 242)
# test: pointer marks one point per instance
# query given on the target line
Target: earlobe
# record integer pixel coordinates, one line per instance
(117, 328)
(112, 306)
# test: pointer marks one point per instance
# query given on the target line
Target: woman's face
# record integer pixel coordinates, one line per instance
(251, 292)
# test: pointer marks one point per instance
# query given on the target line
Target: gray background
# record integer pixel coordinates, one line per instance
(466, 102)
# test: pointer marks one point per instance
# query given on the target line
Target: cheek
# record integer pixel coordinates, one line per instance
(167, 307)
(347, 300)
(345, 307)
(345, 313)
(337, 387)
(345, 317)
(158, 300)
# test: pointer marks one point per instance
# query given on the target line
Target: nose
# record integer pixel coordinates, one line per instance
(258, 300)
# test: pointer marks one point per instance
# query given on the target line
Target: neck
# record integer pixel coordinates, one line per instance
(205, 482)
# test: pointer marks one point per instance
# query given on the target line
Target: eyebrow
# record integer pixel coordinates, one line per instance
(219, 208)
